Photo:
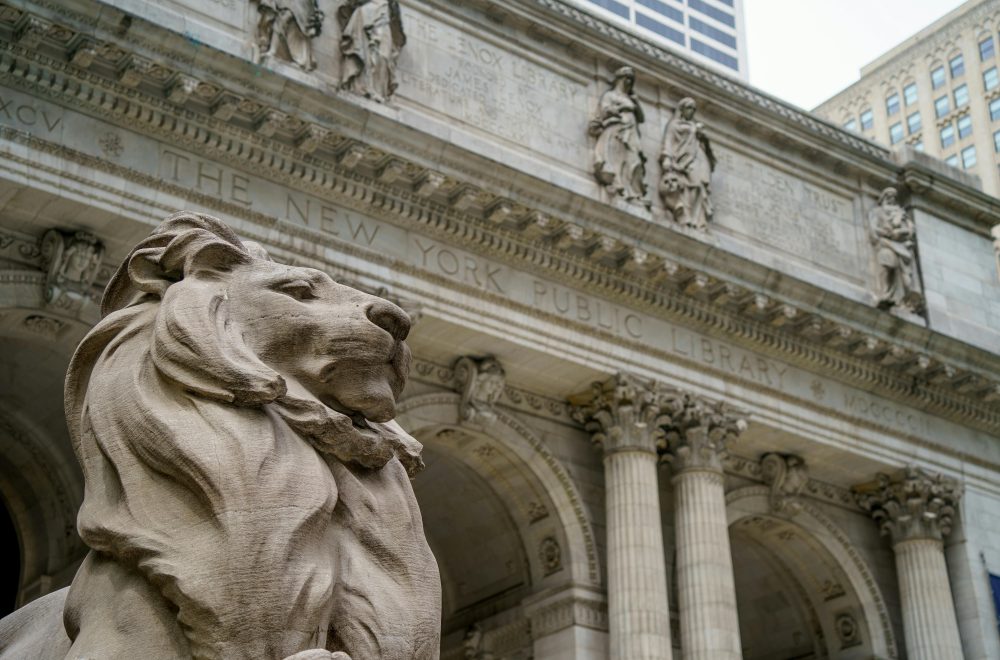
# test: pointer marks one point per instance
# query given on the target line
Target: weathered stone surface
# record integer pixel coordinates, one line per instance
(248, 494)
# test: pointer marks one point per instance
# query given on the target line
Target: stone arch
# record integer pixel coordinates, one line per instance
(428, 416)
(839, 580)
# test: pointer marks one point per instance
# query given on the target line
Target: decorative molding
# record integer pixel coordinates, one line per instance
(549, 615)
(699, 431)
(625, 413)
(653, 283)
(787, 476)
(480, 383)
(911, 504)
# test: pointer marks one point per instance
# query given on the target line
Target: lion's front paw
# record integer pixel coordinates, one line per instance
(318, 654)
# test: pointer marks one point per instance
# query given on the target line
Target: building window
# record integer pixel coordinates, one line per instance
(664, 9)
(964, 126)
(969, 157)
(919, 145)
(910, 94)
(612, 6)
(961, 96)
(659, 28)
(708, 10)
(986, 49)
(991, 79)
(937, 77)
(896, 132)
(892, 104)
(942, 106)
(714, 54)
(947, 135)
(994, 109)
(996, 141)
(851, 125)
(867, 119)
(913, 123)
(722, 37)
(957, 66)
(951, 160)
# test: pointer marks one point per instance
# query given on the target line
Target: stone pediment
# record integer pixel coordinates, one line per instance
(240, 123)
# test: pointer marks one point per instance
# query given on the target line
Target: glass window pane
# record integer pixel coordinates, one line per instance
(996, 141)
(910, 94)
(991, 78)
(947, 136)
(994, 109)
(952, 160)
(851, 125)
(961, 96)
(913, 123)
(964, 126)
(896, 132)
(867, 119)
(665, 9)
(986, 48)
(708, 10)
(937, 77)
(957, 66)
(711, 32)
(892, 104)
(942, 106)
(969, 157)
(612, 6)
(919, 145)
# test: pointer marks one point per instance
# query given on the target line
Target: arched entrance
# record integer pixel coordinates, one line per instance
(502, 518)
(802, 593)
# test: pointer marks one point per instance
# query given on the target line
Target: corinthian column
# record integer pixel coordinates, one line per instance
(624, 416)
(697, 438)
(914, 508)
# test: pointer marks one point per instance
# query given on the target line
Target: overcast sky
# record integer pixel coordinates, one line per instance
(805, 51)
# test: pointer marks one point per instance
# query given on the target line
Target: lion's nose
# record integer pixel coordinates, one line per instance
(389, 317)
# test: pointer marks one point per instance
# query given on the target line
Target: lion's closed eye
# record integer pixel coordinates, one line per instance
(297, 289)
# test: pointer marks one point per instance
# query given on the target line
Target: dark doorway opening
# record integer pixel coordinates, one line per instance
(10, 576)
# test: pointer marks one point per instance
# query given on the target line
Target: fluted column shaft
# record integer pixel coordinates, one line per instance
(929, 621)
(639, 614)
(706, 591)
(915, 509)
(623, 414)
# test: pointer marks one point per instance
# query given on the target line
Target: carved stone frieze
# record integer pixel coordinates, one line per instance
(787, 476)
(911, 504)
(481, 382)
(619, 163)
(286, 29)
(625, 413)
(372, 38)
(686, 165)
(995, 232)
(550, 554)
(893, 236)
(648, 281)
(71, 262)
(698, 432)
(559, 611)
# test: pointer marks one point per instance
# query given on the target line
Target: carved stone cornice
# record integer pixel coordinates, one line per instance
(322, 161)
(787, 475)
(699, 431)
(551, 612)
(625, 413)
(911, 504)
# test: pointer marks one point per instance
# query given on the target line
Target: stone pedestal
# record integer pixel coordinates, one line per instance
(698, 435)
(624, 415)
(915, 509)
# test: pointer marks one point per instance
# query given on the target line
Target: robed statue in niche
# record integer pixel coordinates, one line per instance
(686, 163)
(894, 237)
(371, 40)
(286, 29)
(619, 164)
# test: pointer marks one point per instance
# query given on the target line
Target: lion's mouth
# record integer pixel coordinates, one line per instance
(359, 422)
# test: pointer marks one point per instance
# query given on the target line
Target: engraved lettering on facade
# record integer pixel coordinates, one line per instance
(463, 268)
(594, 312)
(205, 177)
(26, 114)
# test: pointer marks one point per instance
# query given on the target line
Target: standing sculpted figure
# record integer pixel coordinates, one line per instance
(619, 164)
(371, 40)
(286, 28)
(687, 162)
(247, 493)
(893, 235)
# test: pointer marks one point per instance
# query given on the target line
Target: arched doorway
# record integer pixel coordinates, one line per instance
(802, 593)
(503, 520)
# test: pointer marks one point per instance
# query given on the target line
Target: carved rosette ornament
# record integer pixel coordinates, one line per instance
(71, 262)
(480, 381)
(913, 504)
(286, 29)
(371, 40)
(894, 238)
(699, 431)
(787, 476)
(686, 166)
(619, 163)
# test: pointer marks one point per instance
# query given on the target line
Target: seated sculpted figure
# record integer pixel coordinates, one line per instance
(247, 492)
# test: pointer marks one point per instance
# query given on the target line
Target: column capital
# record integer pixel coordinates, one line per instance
(625, 413)
(911, 504)
(699, 431)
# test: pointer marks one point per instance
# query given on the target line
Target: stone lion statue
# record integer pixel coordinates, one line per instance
(247, 492)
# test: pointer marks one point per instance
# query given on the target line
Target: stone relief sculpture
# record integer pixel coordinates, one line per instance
(285, 30)
(995, 233)
(71, 263)
(480, 382)
(687, 163)
(894, 238)
(787, 476)
(247, 492)
(371, 40)
(619, 164)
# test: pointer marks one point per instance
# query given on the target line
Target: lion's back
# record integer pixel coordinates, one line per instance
(36, 632)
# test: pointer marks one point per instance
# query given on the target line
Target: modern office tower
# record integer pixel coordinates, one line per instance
(710, 31)
(938, 91)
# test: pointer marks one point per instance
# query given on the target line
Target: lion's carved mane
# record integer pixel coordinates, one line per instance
(231, 515)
